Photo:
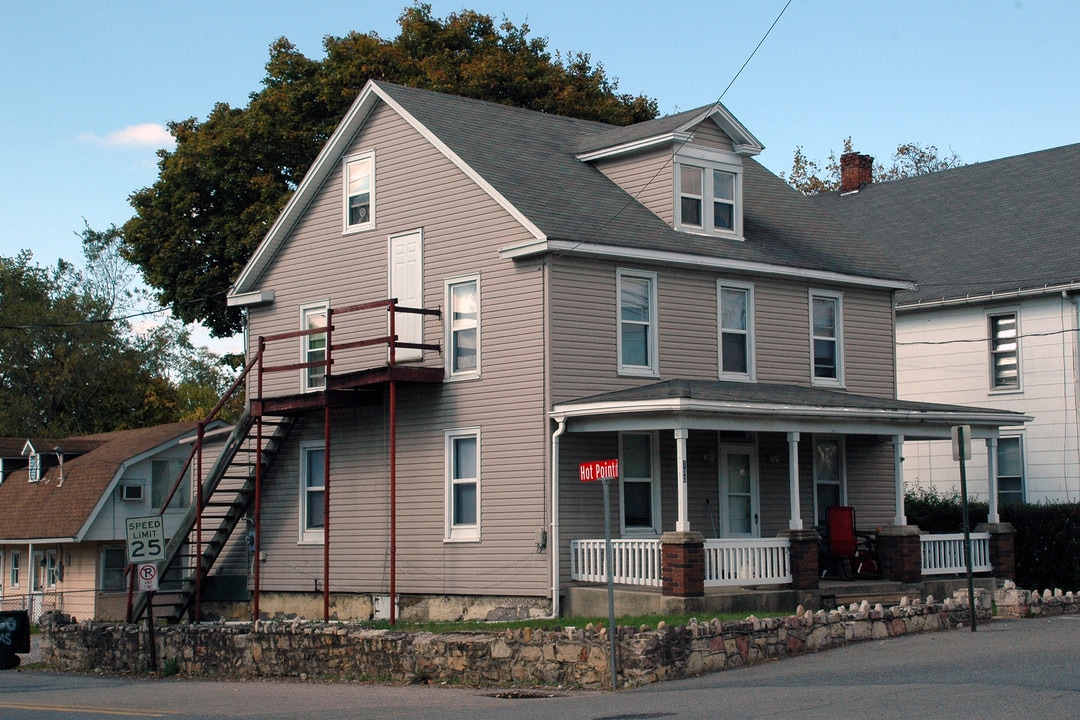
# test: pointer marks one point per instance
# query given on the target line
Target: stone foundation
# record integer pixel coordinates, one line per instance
(572, 657)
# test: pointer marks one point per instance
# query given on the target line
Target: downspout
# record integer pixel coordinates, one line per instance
(554, 543)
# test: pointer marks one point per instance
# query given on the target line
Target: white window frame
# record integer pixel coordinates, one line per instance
(1023, 467)
(994, 352)
(308, 374)
(652, 349)
(841, 471)
(709, 160)
(15, 568)
(751, 369)
(450, 339)
(367, 158)
(105, 551)
(309, 535)
(654, 481)
(455, 532)
(52, 569)
(837, 339)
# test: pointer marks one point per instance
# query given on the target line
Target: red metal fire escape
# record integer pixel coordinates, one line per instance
(232, 489)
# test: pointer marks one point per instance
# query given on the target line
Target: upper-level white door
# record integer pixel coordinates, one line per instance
(407, 285)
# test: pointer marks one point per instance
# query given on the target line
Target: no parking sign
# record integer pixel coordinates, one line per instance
(148, 578)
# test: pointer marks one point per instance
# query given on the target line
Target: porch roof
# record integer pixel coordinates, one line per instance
(766, 407)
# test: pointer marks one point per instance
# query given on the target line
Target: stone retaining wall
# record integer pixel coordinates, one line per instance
(572, 657)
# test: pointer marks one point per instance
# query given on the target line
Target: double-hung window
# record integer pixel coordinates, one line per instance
(638, 352)
(359, 186)
(313, 347)
(826, 338)
(163, 474)
(828, 476)
(52, 569)
(639, 482)
(312, 491)
(113, 563)
(1010, 475)
(1004, 351)
(736, 313)
(463, 327)
(708, 187)
(463, 484)
(16, 559)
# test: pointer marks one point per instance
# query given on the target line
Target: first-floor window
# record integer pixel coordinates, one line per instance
(638, 480)
(312, 492)
(52, 569)
(828, 476)
(15, 562)
(463, 485)
(113, 562)
(1010, 461)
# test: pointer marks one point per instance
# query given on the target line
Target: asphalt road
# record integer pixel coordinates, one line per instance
(1008, 669)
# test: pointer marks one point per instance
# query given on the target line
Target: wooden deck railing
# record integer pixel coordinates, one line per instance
(944, 554)
(747, 561)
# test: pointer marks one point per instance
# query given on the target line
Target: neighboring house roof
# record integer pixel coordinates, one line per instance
(528, 162)
(990, 230)
(781, 407)
(61, 511)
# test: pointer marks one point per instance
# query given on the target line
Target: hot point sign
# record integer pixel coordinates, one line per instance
(599, 470)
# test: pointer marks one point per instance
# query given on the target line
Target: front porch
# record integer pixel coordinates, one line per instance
(757, 575)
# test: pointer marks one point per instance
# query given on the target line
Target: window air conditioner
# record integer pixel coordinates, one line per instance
(131, 492)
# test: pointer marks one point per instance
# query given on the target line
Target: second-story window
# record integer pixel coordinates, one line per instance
(1004, 352)
(359, 192)
(826, 343)
(638, 352)
(463, 327)
(736, 336)
(313, 347)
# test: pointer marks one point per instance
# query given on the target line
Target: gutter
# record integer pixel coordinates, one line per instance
(992, 296)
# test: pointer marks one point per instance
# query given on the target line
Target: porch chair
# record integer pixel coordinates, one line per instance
(849, 553)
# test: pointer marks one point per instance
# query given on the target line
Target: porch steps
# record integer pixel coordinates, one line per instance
(844, 593)
(228, 493)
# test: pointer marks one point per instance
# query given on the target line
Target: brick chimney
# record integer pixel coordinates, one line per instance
(855, 171)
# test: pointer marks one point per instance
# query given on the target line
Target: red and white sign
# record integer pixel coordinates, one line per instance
(599, 470)
(148, 578)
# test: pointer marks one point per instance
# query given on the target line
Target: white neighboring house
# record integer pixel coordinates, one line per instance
(993, 321)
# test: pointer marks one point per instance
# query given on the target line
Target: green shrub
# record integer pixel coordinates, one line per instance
(1047, 534)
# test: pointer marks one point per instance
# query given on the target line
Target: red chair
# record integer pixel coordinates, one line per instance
(843, 545)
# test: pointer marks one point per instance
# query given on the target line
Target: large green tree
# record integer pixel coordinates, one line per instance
(910, 159)
(219, 190)
(71, 362)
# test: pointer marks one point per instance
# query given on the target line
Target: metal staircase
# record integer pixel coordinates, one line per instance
(227, 494)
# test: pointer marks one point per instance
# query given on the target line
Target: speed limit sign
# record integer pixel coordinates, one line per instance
(145, 539)
(148, 578)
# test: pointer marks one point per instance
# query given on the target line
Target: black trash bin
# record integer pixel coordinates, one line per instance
(14, 637)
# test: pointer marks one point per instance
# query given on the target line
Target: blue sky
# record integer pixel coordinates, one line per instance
(87, 85)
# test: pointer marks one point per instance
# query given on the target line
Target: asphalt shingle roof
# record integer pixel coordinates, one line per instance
(530, 158)
(996, 226)
(47, 509)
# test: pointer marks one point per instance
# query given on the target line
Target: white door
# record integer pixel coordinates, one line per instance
(739, 492)
(407, 285)
(37, 583)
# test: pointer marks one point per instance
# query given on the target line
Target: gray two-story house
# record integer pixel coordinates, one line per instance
(463, 302)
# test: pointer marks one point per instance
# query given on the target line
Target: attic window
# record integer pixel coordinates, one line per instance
(708, 193)
(359, 191)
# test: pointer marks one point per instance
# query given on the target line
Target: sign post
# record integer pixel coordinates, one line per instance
(145, 548)
(961, 436)
(605, 470)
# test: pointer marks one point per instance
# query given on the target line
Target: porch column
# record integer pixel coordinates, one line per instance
(900, 553)
(795, 523)
(682, 571)
(898, 477)
(992, 481)
(682, 524)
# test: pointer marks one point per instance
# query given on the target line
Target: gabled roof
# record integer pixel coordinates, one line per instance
(62, 511)
(991, 230)
(528, 162)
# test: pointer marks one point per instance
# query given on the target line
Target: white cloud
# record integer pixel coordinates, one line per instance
(149, 135)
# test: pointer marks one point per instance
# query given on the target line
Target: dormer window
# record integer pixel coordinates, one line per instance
(709, 197)
(359, 192)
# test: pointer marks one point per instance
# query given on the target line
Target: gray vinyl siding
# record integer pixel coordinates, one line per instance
(870, 481)
(869, 343)
(416, 187)
(710, 135)
(649, 177)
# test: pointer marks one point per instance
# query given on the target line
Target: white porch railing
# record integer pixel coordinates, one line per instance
(748, 561)
(944, 554)
(635, 562)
